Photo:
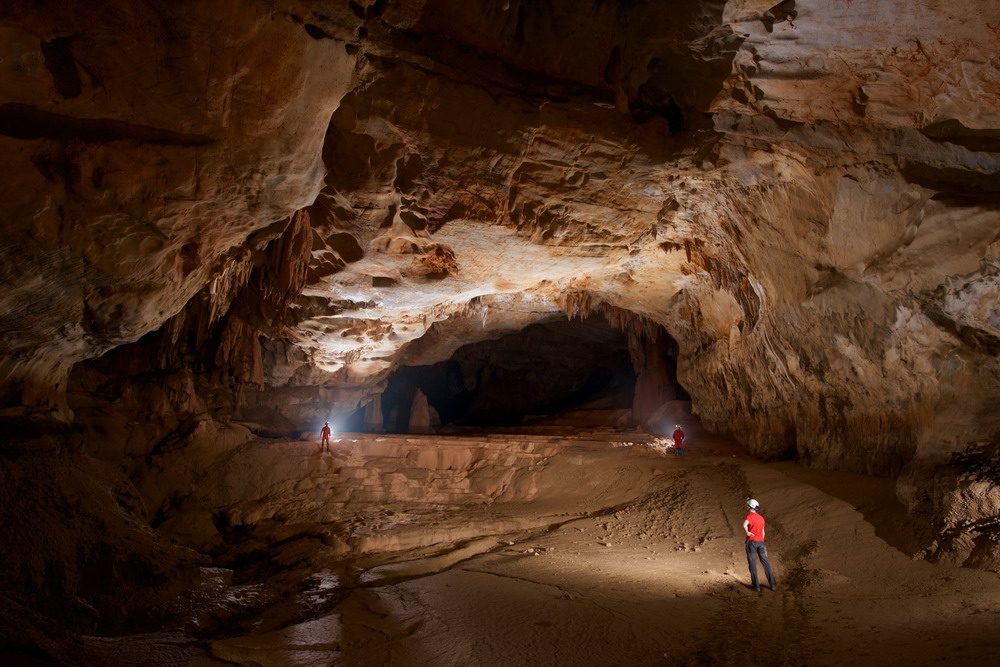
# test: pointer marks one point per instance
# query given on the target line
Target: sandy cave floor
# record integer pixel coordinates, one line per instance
(643, 567)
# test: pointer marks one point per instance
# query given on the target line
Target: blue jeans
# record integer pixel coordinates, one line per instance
(755, 549)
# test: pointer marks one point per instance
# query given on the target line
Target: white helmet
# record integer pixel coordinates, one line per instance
(752, 504)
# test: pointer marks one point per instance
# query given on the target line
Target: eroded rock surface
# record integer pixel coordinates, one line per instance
(801, 196)
(144, 145)
(241, 218)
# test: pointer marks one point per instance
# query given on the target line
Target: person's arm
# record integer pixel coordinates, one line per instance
(746, 527)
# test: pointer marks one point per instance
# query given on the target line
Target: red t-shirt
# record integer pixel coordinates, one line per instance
(326, 431)
(756, 527)
(679, 437)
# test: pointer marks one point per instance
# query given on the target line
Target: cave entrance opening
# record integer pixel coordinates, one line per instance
(561, 374)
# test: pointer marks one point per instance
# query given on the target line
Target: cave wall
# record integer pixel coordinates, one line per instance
(819, 239)
(256, 213)
(824, 254)
(143, 143)
(871, 328)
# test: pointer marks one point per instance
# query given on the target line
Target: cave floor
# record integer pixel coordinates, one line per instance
(624, 556)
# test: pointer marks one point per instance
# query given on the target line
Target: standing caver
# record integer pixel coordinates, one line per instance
(325, 433)
(753, 526)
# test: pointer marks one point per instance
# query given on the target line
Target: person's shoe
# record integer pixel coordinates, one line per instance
(774, 587)
(756, 589)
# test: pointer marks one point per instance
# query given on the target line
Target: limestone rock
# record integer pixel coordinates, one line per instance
(252, 213)
(142, 146)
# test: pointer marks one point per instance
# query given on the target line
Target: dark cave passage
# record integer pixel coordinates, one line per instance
(537, 375)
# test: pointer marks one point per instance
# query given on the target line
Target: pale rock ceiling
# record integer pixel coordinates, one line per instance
(804, 195)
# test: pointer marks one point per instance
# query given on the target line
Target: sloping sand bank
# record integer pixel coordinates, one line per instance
(657, 576)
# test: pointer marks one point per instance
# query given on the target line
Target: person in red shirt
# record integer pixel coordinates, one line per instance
(325, 433)
(753, 526)
(678, 440)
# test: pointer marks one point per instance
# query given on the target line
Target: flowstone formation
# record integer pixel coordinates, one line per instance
(252, 214)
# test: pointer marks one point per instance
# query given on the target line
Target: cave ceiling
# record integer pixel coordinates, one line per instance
(804, 195)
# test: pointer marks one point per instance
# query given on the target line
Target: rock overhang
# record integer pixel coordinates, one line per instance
(235, 221)
(799, 194)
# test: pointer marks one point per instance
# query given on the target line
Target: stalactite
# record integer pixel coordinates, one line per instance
(631, 322)
(582, 304)
(724, 275)
(279, 279)
(474, 307)
(576, 303)
(226, 285)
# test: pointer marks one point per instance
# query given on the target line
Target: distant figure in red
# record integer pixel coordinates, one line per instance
(325, 444)
(678, 440)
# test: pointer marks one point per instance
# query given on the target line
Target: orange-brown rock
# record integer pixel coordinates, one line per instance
(241, 218)
(144, 144)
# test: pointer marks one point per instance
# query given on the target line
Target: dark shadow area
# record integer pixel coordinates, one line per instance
(22, 121)
(578, 372)
(543, 369)
(874, 497)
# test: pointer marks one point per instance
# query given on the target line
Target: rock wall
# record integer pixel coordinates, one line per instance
(77, 548)
(143, 143)
(255, 213)
(823, 252)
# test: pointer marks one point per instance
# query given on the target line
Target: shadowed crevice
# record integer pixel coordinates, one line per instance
(954, 132)
(61, 64)
(22, 121)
